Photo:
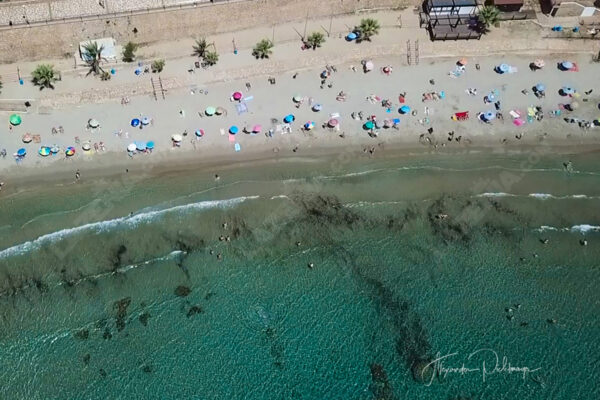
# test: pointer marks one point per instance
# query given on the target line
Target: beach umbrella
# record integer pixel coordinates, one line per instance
(199, 132)
(317, 107)
(333, 122)
(309, 125)
(86, 147)
(369, 125)
(177, 137)
(574, 105)
(237, 96)
(596, 122)
(131, 147)
(539, 63)
(396, 121)
(297, 98)
(233, 129)
(568, 90)
(135, 122)
(491, 96)
(210, 111)
(15, 119)
(141, 146)
(70, 151)
(256, 128)
(462, 61)
(488, 115)
(93, 123)
(145, 121)
(404, 109)
(387, 69)
(351, 36)
(54, 149)
(324, 74)
(566, 65)
(220, 110)
(540, 87)
(289, 118)
(387, 123)
(369, 66)
(150, 145)
(44, 151)
(21, 152)
(503, 68)
(27, 138)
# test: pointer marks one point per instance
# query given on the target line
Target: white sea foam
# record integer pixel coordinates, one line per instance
(123, 222)
(582, 228)
(542, 196)
(497, 194)
(280, 196)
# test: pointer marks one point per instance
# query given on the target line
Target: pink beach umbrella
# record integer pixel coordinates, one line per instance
(237, 96)
(333, 122)
(256, 129)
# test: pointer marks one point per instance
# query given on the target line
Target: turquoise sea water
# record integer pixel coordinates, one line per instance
(115, 289)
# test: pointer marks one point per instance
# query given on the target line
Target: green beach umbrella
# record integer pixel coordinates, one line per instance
(369, 125)
(210, 111)
(15, 119)
(297, 98)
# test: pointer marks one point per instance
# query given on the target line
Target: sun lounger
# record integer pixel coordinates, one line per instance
(232, 138)
(514, 114)
(237, 147)
(518, 122)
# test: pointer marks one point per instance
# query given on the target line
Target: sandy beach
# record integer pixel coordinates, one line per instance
(183, 112)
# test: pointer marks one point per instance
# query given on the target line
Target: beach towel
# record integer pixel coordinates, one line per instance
(241, 108)
(222, 131)
(248, 98)
(518, 122)
(514, 114)
(237, 147)
(232, 138)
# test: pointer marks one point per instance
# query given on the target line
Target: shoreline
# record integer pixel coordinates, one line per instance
(115, 167)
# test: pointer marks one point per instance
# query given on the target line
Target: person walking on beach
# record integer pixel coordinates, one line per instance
(77, 175)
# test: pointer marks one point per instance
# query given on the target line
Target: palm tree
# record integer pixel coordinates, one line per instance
(488, 16)
(210, 58)
(263, 49)
(158, 65)
(44, 76)
(93, 56)
(200, 47)
(315, 39)
(129, 52)
(368, 27)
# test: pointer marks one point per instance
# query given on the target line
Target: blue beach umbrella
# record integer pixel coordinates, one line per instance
(233, 129)
(503, 68)
(566, 65)
(396, 120)
(289, 118)
(324, 74)
(317, 107)
(21, 152)
(540, 87)
(489, 115)
(140, 146)
(150, 145)
(135, 122)
(351, 36)
(568, 90)
(404, 109)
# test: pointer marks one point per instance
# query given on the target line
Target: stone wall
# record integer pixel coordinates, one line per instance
(54, 40)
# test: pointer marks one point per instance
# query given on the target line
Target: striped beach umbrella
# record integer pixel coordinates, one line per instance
(70, 151)
(309, 125)
(199, 132)
(44, 151)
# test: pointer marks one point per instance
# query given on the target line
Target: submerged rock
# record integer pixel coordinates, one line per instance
(422, 371)
(107, 335)
(121, 307)
(147, 368)
(82, 334)
(182, 291)
(380, 385)
(144, 318)
(194, 310)
(86, 359)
